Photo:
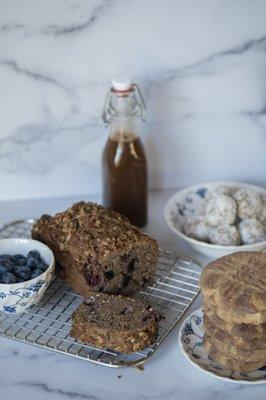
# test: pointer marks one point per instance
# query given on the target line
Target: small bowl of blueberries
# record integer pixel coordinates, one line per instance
(26, 270)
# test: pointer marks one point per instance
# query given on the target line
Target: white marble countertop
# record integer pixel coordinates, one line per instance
(28, 373)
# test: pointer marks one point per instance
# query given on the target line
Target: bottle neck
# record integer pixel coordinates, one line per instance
(121, 111)
(123, 129)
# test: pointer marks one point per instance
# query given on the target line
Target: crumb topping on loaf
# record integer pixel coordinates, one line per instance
(104, 230)
(98, 249)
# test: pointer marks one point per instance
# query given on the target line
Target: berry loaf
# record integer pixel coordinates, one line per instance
(98, 250)
(119, 323)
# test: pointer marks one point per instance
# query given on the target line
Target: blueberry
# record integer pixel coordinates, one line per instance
(8, 277)
(34, 254)
(126, 280)
(35, 273)
(16, 270)
(5, 256)
(109, 274)
(42, 266)
(32, 263)
(23, 273)
(131, 265)
(21, 262)
(3, 269)
(17, 257)
(7, 264)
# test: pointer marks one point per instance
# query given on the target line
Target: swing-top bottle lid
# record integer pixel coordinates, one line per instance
(121, 83)
(123, 95)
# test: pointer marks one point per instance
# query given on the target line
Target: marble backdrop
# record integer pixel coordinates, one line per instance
(201, 66)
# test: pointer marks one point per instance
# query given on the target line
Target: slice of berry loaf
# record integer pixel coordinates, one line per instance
(116, 322)
(97, 249)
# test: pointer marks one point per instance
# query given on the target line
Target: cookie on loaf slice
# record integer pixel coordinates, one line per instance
(120, 323)
(98, 249)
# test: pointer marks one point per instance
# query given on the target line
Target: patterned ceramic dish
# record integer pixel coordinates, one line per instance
(188, 202)
(16, 298)
(191, 343)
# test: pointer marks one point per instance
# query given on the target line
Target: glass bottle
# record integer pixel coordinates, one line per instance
(124, 165)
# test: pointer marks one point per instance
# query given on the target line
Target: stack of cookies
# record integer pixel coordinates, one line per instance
(234, 295)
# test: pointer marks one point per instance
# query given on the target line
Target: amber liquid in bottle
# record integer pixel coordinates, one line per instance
(125, 177)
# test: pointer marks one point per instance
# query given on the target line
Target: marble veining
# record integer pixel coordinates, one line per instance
(201, 67)
(258, 44)
(11, 64)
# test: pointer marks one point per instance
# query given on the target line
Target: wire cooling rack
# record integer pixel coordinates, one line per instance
(48, 323)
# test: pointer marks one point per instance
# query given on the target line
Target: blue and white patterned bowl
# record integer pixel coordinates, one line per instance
(191, 343)
(189, 202)
(16, 298)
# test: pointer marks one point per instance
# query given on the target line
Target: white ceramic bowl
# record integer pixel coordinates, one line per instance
(183, 205)
(16, 298)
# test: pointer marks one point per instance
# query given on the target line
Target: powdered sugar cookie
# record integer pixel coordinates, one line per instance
(262, 213)
(226, 235)
(197, 228)
(252, 231)
(218, 190)
(249, 203)
(220, 209)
